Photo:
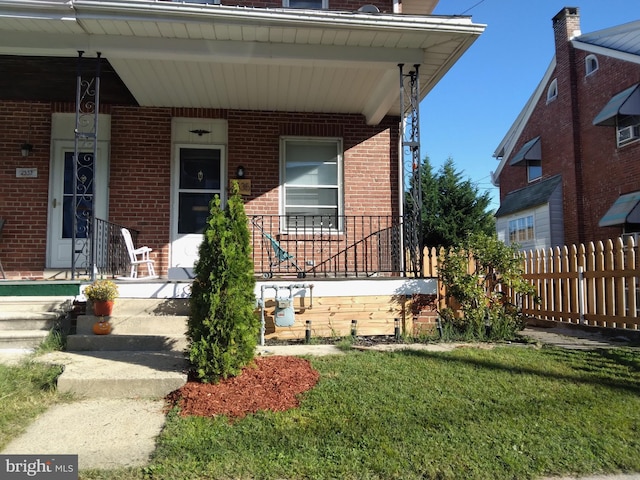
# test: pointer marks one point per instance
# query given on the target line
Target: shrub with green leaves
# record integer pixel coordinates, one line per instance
(488, 294)
(223, 328)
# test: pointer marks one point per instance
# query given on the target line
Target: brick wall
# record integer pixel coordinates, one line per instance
(23, 201)
(140, 170)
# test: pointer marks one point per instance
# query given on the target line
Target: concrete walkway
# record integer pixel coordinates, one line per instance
(108, 433)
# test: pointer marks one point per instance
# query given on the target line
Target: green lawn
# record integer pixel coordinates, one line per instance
(25, 391)
(507, 413)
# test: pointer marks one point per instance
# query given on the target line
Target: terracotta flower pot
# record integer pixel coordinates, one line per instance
(103, 309)
(102, 328)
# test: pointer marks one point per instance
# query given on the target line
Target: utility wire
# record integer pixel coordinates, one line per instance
(472, 7)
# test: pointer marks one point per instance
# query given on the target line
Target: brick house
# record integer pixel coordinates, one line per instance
(569, 170)
(299, 99)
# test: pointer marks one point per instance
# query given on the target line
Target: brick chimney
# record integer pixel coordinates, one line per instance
(566, 24)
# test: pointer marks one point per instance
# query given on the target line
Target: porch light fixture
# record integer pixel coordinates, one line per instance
(240, 172)
(26, 149)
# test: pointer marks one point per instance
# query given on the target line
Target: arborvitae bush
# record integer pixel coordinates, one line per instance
(223, 328)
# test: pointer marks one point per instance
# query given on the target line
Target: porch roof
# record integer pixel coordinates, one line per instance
(531, 196)
(172, 54)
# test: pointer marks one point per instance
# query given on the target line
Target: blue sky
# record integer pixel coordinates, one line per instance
(468, 113)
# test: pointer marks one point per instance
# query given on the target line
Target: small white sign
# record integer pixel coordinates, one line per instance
(26, 173)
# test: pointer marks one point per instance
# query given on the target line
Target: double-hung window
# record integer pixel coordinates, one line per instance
(311, 172)
(534, 170)
(521, 229)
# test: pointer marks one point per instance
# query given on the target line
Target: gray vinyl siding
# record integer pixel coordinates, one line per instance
(556, 218)
(541, 227)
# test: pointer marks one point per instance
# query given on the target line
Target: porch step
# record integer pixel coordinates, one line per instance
(21, 339)
(137, 325)
(124, 343)
(119, 374)
(26, 321)
(141, 357)
(27, 303)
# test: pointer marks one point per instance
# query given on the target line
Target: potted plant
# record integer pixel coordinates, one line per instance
(102, 294)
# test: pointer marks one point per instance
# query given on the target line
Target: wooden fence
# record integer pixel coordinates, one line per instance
(594, 284)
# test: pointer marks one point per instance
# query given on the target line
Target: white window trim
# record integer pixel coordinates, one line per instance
(552, 91)
(325, 4)
(526, 229)
(340, 180)
(588, 62)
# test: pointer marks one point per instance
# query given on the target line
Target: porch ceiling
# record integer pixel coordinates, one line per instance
(192, 55)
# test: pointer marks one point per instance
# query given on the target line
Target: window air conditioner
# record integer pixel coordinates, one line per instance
(627, 134)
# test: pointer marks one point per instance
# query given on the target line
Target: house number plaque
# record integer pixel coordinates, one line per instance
(26, 173)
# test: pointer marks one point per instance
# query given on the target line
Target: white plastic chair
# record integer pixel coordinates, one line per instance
(138, 256)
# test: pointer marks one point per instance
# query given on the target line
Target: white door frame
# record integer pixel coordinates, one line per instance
(184, 247)
(58, 248)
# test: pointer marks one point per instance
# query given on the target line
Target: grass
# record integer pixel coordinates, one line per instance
(507, 413)
(26, 390)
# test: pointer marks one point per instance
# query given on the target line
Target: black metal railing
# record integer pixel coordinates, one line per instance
(326, 246)
(111, 256)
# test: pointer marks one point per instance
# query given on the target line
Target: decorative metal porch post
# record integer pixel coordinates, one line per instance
(84, 157)
(411, 169)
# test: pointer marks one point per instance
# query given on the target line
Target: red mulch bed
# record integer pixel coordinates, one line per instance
(270, 383)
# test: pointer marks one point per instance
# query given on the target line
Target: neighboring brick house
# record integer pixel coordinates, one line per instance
(192, 91)
(569, 167)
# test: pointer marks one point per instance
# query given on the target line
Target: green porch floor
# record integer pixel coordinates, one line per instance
(39, 288)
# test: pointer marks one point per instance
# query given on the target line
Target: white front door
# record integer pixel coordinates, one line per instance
(91, 187)
(198, 175)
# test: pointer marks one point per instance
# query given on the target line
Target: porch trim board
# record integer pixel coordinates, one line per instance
(321, 288)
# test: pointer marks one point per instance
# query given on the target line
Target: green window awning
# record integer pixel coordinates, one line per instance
(626, 102)
(626, 209)
(532, 150)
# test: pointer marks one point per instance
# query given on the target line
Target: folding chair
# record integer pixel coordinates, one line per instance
(277, 255)
(137, 256)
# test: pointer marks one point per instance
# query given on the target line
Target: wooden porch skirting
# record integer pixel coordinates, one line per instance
(334, 316)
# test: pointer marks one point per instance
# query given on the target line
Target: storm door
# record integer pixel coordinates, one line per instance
(90, 185)
(198, 176)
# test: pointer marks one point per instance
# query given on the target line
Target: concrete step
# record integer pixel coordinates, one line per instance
(150, 306)
(21, 339)
(108, 374)
(136, 325)
(27, 320)
(22, 304)
(124, 343)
